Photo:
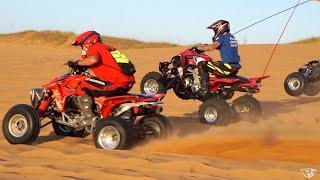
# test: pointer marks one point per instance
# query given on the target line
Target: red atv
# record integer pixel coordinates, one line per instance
(117, 128)
(181, 75)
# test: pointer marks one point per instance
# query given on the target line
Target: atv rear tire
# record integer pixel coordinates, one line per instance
(215, 111)
(113, 134)
(295, 84)
(152, 83)
(247, 107)
(158, 125)
(21, 125)
(62, 130)
(312, 89)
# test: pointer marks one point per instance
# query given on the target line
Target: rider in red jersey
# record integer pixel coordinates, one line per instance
(109, 71)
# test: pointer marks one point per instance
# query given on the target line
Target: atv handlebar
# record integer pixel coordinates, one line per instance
(196, 50)
(75, 68)
(72, 64)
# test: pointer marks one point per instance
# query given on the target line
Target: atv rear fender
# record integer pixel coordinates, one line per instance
(254, 83)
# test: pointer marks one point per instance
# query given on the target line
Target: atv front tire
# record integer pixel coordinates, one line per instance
(215, 111)
(295, 84)
(152, 83)
(21, 125)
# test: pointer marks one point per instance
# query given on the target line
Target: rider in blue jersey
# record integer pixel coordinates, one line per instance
(227, 44)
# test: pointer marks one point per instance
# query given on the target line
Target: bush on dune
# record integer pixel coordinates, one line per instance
(308, 41)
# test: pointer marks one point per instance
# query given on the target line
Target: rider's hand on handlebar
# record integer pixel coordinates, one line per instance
(196, 50)
(73, 63)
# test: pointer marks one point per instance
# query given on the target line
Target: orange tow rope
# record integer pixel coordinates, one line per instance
(281, 35)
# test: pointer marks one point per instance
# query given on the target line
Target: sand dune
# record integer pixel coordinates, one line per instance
(64, 39)
(286, 139)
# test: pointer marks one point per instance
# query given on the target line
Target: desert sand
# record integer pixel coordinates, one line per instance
(284, 140)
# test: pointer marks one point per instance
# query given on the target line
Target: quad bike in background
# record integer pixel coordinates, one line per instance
(181, 75)
(305, 81)
(123, 118)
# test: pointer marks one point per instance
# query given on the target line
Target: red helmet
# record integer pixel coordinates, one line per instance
(87, 39)
(219, 27)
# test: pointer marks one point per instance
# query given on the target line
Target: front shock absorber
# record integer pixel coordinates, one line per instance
(43, 106)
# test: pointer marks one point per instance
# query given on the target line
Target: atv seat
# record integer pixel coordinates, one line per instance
(234, 77)
(242, 79)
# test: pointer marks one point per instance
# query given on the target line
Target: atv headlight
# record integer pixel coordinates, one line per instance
(36, 95)
(198, 59)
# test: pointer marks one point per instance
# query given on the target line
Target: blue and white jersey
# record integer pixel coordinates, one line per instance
(229, 50)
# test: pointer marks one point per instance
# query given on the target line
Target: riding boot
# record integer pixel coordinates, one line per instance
(85, 103)
(204, 78)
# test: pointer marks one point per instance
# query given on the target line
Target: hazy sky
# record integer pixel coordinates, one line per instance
(160, 20)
